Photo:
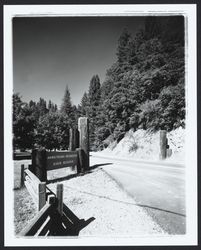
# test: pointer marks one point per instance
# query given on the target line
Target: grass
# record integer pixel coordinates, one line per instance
(24, 207)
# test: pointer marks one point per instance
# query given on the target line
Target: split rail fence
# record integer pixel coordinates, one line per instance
(54, 218)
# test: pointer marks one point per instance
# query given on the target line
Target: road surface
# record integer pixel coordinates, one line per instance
(159, 188)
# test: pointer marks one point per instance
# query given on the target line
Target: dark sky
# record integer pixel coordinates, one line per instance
(50, 53)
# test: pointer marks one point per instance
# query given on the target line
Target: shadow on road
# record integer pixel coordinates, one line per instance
(77, 175)
(99, 165)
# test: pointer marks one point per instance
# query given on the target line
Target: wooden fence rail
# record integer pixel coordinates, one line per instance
(37, 224)
(54, 217)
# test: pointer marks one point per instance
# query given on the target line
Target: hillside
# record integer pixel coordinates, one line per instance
(143, 144)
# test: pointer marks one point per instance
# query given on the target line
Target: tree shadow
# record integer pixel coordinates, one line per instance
(90, 170)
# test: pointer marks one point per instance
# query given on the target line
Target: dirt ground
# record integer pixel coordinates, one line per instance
(93, 194)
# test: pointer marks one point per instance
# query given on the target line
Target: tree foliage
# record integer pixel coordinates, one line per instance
(23, 124)
(89, 106)
(53, 131)
(37, 125)
(143, 88)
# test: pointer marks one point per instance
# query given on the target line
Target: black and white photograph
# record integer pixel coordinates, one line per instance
(101, 119)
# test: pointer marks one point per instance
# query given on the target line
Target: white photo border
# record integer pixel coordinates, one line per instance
(189, 12)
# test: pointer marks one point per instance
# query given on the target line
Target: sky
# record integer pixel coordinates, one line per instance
(50, 53)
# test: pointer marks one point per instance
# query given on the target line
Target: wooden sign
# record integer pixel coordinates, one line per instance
(56, 160)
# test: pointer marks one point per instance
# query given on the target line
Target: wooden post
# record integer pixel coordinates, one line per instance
(30, 167)
(76, 138)
(71, 139)
(83, 127)
(41, 195)
(56, 227)
(22, 176)
(51, 199)
(60, 198)
(79, 160)
(33, 160)
(39, 164)
(163, 144)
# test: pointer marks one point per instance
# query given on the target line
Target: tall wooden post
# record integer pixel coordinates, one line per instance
(76, 138)
(42, 195)
(71, 139)
(60, 198)
(33, 161)
(22, 176)
(163, 144)
(83, 127)
(39, 164)
(80, 161)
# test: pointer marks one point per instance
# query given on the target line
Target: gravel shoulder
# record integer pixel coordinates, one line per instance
(116, 214)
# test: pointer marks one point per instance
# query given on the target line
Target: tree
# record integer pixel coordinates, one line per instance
(53, 131)
(66, 107)
(123, 49)
(144, 88)
(52, 107)
(42, 107)
(23, 124)
(94, 102)
(94, 91)
(84, 105)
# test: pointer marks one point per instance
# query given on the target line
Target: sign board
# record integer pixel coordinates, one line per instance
(56, 160)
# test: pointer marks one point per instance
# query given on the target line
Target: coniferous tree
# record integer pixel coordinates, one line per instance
(94, 96)
(123, 49)
(84, 105)
(67, 109)
(42, 107)
(66, 106)
(52, 107)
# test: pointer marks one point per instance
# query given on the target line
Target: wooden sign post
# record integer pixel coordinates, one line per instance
(75, 138)
(71, 146)
(163, 144)
(39, 164)
(83, 127)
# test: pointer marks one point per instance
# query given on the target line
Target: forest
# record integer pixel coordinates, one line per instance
(143, 89)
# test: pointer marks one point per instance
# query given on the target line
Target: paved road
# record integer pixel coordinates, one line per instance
(160, 188)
